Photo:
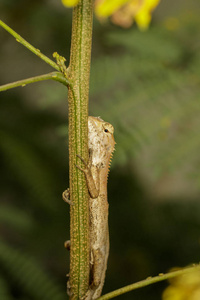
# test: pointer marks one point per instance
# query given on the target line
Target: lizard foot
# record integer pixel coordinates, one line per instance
(67, 244)
(69, 292)
(65, 196)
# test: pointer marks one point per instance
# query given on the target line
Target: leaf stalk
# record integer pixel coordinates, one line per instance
(148, 281)
(57, 76)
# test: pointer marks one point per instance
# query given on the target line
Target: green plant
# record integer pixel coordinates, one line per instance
(143, 67)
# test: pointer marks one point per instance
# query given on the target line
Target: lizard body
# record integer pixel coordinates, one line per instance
(101, 145)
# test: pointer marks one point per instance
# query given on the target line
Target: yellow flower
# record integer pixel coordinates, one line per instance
(184, 287)
(124, 12)
(70, 3)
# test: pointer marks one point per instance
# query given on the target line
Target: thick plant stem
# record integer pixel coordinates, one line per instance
(79, 71)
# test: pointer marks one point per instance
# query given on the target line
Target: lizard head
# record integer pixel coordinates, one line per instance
(100, 141)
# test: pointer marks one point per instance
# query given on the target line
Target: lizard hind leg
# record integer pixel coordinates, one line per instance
(96, 286)
(98, 270)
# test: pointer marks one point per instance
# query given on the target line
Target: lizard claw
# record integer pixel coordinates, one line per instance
(84, 162)
(82, 159)
(81, 169)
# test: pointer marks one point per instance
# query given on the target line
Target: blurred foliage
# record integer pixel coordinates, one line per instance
(147, 86)
(150, 93)
(27, 275)
(31, 202)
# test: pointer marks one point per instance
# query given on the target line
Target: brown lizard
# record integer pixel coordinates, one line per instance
(101, 144)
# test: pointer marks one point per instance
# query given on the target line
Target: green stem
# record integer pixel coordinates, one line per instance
(29, 46)
(148, 281)
(57, 76)
(79, 72)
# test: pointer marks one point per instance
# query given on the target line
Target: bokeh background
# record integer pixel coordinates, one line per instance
(147, 84)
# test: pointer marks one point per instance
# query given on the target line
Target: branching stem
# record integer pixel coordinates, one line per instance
(57, 76)
(148, 281)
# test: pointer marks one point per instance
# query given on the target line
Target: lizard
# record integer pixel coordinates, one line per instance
(101, 145)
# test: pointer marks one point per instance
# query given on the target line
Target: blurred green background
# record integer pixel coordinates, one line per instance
(147, 84)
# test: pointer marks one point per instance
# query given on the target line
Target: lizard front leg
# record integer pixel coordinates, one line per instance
(93, 187)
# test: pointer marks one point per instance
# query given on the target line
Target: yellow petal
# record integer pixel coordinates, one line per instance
(143, 19)
(143, 16)
(184, 287)
(173, 293)
(70, 3)
(105, 8)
